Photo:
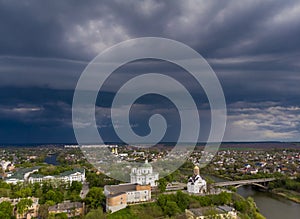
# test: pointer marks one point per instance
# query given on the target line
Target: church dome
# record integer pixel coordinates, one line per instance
(146, 164)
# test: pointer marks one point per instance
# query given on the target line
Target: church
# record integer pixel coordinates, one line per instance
(144, 175)
(196, 184)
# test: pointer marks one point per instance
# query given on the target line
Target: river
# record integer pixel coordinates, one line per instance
(270, 205)
(52, 159)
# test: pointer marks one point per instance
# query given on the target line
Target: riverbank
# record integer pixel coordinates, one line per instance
(266, 200)
(288, 194)
(271, 205)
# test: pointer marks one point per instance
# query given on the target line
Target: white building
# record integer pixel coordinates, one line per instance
(21, 175)
(144, 175)
(119, 196)
(7, 165)
(196, 184)
(68, 176)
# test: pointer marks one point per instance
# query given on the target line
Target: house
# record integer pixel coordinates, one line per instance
(71, 209)
(222, 212)
(138, 153)
(31, 212)
(119, 196)
(7, 165)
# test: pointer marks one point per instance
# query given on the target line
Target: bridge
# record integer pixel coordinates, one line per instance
(257, 182)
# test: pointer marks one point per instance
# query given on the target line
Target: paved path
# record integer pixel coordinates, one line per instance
(84, 191)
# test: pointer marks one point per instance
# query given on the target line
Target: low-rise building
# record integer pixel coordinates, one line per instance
(31, 212)
(222, 212)
(119, 196)
(7, 165)
(71, 209)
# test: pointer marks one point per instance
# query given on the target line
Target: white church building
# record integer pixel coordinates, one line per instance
(144, 175)
(196, 184)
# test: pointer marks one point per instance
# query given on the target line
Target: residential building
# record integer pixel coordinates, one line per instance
(119, 196)
(31, 212)
(7, 165)
(72, 209)
(222, 212)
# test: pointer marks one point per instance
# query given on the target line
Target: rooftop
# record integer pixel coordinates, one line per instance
(20, 173)
(121, 188)
(66, 173)
(219, 209)
(65, 206)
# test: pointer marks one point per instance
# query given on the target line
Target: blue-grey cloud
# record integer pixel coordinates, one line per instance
(253, 46)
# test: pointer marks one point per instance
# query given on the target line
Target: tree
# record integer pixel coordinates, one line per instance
(23, 205)
(171, 208)
(162, 184)
(50, 203)
(241, 206)
(61, 216)
(162, 200)
(95, 214)
(4, 192)
(58, 216)
(182, 200)
(24, 192)
(55, 196)
(43, 211)
(209, 182)
(76, 186)
(95, 198)
(6, 210)
(4, 185)
(98, 180)
(223, 198)
(37, 190)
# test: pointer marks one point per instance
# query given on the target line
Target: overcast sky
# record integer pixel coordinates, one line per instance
(253, 47)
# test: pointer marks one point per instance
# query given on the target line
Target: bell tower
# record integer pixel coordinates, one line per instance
(196, 170)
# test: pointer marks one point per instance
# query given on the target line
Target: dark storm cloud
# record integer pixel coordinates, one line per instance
(253, 46)
(227, 28)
